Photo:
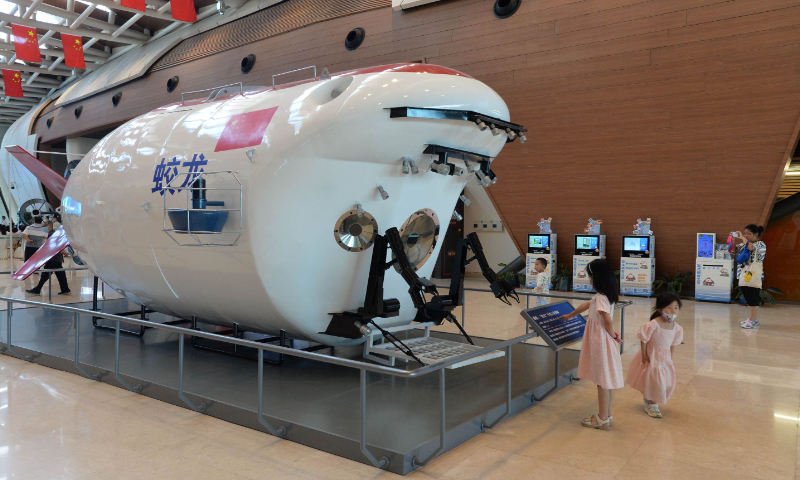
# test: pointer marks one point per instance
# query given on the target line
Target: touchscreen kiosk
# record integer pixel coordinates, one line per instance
(540, 245)
(587, 249)
(637, 270)
(713, 276)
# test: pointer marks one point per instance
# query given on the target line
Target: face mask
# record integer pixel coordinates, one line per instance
(669, 317)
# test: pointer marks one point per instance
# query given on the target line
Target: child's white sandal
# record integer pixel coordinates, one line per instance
(601, 424)
(653, 410)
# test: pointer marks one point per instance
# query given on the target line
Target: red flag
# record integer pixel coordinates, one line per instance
(135, 4)
(26, 43)
(245, 130)
(73, 51)
(12, 82)
(183, 10)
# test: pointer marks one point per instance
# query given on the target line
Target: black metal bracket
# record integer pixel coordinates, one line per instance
(465, 115)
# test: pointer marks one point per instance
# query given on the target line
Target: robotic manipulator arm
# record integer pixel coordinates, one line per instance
(437, 309)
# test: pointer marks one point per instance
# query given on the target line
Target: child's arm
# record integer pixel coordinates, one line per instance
(582, 308)
(645, 358)
(671, 350)
(608, 324)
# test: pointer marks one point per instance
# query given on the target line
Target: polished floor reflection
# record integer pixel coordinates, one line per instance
(734, 415)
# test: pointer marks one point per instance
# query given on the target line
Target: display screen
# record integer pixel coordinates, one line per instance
(538, 242)
(705, 245)
(636, 244)
(586, 242)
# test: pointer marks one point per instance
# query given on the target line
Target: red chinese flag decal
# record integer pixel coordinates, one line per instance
(73, 51)
(26, 43)
(12, 82)
(183, 10)
(245, 130)
(135, 4)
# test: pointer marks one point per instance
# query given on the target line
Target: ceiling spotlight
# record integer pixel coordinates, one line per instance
(458, 171)
(511, 134)
(406, 168)
(457, 217)
(470, 166)
(414, 168)
(522, 138)
(383, 193)
(482, 178)
(495, 130)
(481, 125)
(359, 209)
(465, 200)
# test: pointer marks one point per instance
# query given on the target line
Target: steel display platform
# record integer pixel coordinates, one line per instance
(318, 403)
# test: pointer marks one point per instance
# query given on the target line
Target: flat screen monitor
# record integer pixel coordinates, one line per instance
(636, 244)
(587, 244)
(705, 245)
(538, 243)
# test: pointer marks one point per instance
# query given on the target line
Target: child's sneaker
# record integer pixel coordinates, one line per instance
(749, 324)
(754, 322)
(653, 410)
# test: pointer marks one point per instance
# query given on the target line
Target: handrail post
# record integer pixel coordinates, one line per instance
(622, 331)
(484, 425)
(8, 346)
(442, 426)
(137, 388)
(534, 398)
(76, 320)
(383, 462)
(196, 408)
(280, 431)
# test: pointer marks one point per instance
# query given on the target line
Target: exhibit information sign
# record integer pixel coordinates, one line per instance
(546, 321)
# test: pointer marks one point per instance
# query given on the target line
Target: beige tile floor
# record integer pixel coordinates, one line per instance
(734, 416)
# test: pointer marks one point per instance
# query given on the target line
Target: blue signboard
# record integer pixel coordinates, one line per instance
(546, 321)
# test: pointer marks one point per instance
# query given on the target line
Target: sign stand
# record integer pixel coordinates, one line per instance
(558, 334)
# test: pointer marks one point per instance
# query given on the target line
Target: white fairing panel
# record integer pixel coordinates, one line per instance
(328, 146)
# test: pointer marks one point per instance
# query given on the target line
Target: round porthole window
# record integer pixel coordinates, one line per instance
(506, 8)
(116, 98)
(354, 232)
(419, 235)
(248, 63)
(354, 38)
(172, 83)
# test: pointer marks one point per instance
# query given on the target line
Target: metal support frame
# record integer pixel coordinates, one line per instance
(280, 431)
(415, 462)
(95, 319)
(137, 388)
(555, 388)
(484, 425)
(8, 346)
(76, 320)
(281, 338)
(292, 71)
(383, 462)
(196, 408)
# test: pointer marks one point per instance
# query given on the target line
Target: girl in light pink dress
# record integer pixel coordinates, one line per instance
(652, 371)
(600, 361)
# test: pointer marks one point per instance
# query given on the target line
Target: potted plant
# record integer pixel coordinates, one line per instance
(562, 279)
(515, 279)
(674, 283)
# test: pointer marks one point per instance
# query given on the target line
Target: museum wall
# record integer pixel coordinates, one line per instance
(781, 265)
(678, 110)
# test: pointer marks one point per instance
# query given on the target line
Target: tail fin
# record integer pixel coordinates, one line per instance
(49, 177)
(52, 247)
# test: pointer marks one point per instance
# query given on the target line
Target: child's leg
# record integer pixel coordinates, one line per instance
(603, 402)
(610, 401)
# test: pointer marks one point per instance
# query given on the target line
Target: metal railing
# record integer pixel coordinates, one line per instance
(280, 431)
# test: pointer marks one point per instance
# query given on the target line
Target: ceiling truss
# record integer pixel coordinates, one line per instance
(108, 30)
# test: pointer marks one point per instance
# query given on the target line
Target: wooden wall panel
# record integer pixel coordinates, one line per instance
(666, 109)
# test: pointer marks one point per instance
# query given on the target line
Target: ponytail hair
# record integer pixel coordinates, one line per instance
(757, 229)
(664, 300)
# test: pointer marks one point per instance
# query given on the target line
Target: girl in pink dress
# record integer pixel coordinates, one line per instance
(599, 360)
(652, 371)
